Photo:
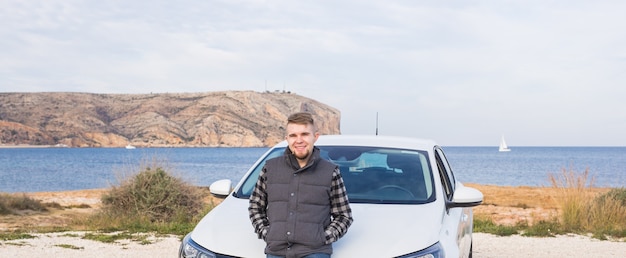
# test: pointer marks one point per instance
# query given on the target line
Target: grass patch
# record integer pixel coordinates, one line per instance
(17, 244)
(538, 229)
(47, 229)
(71, 235)
(487, 225)
(68, 246)
(115, 237)
(543, 228)
(109, 237)
(6, 236)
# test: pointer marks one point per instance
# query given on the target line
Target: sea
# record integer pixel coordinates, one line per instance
(65, 169)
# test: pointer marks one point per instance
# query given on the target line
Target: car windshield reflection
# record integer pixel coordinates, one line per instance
(371, 174)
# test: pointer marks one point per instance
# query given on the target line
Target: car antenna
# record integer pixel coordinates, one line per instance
(376, 123)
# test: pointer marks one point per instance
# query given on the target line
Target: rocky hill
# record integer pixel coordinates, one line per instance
(211, 119)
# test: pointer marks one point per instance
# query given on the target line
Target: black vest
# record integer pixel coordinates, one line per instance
(298, 206)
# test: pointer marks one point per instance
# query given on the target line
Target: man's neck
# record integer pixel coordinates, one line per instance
(303, 162)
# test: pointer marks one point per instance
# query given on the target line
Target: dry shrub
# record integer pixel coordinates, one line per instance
(607, 213)
(154, 196)
(17, 204)
(583, 211)
(574, 197)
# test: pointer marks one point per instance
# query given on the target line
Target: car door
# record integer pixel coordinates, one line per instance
(455, 220)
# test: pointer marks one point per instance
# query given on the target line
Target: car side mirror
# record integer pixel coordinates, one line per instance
(221, 188)
(465, 197)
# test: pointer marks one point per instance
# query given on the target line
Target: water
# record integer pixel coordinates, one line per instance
(60, 169)
(532, 166)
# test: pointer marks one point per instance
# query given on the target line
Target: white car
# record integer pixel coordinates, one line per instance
(404, 197)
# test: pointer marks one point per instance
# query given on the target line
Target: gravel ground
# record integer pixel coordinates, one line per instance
(70, 244)
(485, 245)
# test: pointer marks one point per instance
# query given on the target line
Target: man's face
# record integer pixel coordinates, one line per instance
(301, 138)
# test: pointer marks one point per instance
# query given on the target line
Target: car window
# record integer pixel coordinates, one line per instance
(447, 177)
(372, 175)
(248, 185)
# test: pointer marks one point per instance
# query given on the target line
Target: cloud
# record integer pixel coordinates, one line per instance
(543, 73)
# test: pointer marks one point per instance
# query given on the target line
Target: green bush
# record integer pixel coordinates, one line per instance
(618, 194)
(543, 228)
(486, 225)
(13, 235)
(153, 196)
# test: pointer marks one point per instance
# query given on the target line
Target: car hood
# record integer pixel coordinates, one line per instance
(378, 230)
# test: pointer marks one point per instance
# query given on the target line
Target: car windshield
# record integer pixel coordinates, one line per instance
(370, 174)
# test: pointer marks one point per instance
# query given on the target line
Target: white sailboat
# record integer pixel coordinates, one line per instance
(503, 146)
(130, 147)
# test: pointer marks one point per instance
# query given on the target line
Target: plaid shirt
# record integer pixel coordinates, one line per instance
(339, 210)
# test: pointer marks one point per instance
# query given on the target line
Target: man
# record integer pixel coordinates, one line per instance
(299, 205)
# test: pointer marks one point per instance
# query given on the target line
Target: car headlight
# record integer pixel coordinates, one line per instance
(433, 251)
(190, 249)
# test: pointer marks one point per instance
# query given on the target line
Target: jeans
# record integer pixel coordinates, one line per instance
(317, 255)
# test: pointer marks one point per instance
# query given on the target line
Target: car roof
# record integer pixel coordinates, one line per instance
(372, 141)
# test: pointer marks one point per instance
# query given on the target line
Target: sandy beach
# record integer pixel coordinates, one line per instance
(501, 203)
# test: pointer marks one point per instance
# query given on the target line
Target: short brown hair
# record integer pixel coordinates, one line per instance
(301, 118)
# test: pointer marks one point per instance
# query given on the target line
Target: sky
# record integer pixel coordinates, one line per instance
(463, 73)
